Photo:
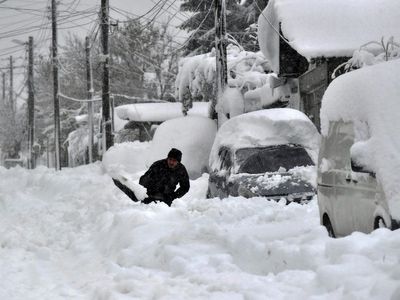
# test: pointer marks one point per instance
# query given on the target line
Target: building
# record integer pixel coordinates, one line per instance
(305, 41)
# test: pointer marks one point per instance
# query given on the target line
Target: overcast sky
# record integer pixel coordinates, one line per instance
(21, 18)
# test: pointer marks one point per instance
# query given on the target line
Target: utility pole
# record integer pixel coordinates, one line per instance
(31, 105)
(107, 134)
(4, 88)
(55, 87)
(12, 86)
(90, 97)
(221, 60)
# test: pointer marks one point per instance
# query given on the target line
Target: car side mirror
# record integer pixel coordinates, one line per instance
(361, 169)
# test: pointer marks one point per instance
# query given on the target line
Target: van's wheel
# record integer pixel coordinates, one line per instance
(328, 225)
(379, 223)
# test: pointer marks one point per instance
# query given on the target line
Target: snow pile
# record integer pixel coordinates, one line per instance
(375, 110)
(264, 128)
(270, 182)
(159, 112)
(247, 73)
(126, 158)
(328, 28)
(307, 173)
(194, 136)
(74, 235)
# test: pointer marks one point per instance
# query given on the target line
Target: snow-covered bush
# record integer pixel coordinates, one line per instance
(370, 54)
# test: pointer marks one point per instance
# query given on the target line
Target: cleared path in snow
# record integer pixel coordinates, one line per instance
(73, 235)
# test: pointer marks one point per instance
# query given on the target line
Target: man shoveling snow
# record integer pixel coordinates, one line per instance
(160, 181)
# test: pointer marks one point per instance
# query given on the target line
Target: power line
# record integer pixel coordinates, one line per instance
(198, 28)
(270, 24)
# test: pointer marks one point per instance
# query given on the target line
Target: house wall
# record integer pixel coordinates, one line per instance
(314, 82)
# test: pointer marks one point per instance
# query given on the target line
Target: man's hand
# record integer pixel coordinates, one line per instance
(168, 198)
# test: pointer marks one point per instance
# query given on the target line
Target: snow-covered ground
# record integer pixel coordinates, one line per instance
(74, 235)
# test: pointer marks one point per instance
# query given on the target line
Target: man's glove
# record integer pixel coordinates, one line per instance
(168, 198)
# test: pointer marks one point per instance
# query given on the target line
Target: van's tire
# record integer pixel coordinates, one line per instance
(328, 225)
(379, 223)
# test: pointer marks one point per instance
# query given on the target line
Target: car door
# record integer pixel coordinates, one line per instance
(330, 168)
(355, 191)
(363, 187)
(363, 183)
(326, 177)
(340, 205)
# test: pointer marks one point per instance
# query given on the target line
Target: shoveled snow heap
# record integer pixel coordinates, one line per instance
(264, 128)
(326, 27)
(377, 104)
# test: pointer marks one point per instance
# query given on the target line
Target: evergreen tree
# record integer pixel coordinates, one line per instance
(239, 19)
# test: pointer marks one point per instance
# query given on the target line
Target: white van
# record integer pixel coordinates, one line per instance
(359, 158)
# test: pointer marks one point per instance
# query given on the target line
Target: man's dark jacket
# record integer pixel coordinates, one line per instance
(161, 181)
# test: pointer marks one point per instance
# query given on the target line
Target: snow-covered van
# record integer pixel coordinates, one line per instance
(359, 158)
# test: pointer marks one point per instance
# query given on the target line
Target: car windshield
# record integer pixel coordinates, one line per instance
(270, 159)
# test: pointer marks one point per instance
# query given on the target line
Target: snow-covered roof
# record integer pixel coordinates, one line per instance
(326, 28)
(159, 112)
(376, 103)
(267, 127)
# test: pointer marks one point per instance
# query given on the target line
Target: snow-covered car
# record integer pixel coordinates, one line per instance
(13, 162)
(359, 159)
(269, 153)
(143, 118)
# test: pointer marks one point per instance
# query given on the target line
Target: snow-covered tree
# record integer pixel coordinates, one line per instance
(247, 73)
(12, 130)
(138, 50)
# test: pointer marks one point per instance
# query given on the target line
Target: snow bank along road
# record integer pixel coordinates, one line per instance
(73, 235)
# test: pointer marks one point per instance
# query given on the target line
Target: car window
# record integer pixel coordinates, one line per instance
(344, 139)
(271, 159)
(335, 147)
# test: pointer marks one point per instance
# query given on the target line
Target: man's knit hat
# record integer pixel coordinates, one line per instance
(175, 153)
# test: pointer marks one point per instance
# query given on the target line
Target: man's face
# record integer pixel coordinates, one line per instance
(172, 162)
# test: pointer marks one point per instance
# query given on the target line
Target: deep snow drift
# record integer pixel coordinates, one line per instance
(74, 235)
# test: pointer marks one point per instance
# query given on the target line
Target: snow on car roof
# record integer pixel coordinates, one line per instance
(264, 128)
(376, 104)
(159, 112)
(326, 28)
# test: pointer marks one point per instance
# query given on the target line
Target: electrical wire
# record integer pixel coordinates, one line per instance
(270, 24)
(198, 28)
